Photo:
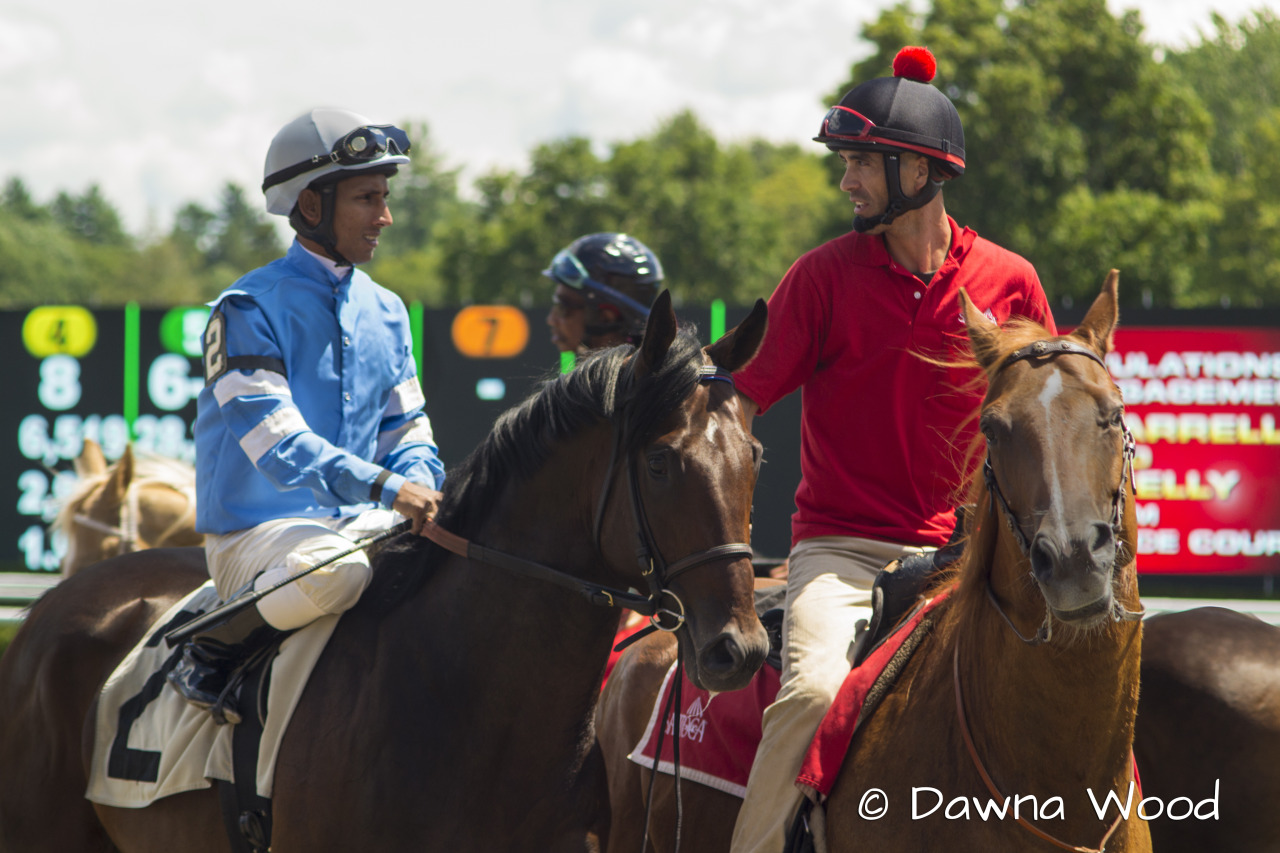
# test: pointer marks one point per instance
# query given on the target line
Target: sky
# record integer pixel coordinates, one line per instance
(163, 103)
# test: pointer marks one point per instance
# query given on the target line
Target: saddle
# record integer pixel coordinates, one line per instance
(149, 743)
(898, 588)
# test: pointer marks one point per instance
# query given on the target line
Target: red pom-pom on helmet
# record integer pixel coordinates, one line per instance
(915, 63)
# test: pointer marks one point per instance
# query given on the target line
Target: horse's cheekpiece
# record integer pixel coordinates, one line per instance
(1046, 349)
(664, 608)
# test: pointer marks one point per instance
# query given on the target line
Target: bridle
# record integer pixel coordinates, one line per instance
(129, 527)
(1119, 613)
(664, 608)
(1048, 349)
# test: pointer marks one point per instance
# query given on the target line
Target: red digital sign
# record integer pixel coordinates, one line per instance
(1203, 405)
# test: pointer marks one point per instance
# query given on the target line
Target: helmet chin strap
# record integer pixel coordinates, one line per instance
(322, 231)
(899, 202)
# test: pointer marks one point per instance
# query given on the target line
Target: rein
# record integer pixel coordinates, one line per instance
(1046, 349)
(995, 791)
(653, 567)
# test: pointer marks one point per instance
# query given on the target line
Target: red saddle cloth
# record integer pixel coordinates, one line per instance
(826, 752)
(719, 732)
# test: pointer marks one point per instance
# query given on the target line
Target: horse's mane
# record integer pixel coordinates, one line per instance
(602, 387)
(148, 468)
(968, 574)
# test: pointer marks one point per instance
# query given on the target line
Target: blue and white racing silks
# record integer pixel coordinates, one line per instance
(311, 405)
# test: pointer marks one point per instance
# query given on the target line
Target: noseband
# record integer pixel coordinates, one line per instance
(1048, 349)
(127, 529)
(664, 608)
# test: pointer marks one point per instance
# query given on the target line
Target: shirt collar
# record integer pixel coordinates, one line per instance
(870, 250)
(299, 252)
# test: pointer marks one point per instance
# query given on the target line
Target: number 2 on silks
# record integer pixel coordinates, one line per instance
(215, 347)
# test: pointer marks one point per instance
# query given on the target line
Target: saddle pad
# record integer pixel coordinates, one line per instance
(857, 699)
(151, 743)
(719, 732)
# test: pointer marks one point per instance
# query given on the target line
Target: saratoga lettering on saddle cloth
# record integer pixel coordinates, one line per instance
(719, 732)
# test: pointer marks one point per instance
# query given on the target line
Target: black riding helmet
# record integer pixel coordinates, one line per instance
(895, 114)
(612, 269)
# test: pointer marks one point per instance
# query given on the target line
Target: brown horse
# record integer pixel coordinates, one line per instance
(453, 706)
(130, 506)
(1209, 727)
(1038, 641)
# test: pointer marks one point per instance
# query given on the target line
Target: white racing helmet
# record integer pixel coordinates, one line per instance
(322, 142)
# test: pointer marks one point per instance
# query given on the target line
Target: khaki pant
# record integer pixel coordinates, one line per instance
(828, 590)
(277, 549)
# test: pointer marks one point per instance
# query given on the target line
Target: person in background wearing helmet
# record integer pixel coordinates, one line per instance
(310, 430)
(884, 431)
(605, 284)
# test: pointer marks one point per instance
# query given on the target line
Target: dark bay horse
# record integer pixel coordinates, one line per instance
(1209, 726)
(453, 707)
(130, 505)
(1039, 641)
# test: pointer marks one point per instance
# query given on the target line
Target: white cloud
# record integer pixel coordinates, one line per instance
(25, 43)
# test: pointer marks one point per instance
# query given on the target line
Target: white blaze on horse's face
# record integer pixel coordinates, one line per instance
(1050, 392)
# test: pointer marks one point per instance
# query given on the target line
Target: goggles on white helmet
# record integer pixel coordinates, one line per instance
(359, 147)
(320, 143)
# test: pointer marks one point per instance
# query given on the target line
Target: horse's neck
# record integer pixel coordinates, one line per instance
(546, 645)
(1062, 710)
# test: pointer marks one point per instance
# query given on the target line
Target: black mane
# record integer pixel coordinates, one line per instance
(602, 387)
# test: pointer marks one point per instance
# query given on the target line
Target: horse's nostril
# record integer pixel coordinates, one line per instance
(1043, 556)
(724, 655)
(1103, 537)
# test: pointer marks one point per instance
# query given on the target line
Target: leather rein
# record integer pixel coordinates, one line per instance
(1045, 633)
(1046, 349)
(664, 608)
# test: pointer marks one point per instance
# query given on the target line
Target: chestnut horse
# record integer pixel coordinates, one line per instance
(129, 506)
(1039, 641)
(452, 709)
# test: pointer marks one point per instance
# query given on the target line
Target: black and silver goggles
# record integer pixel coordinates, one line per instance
(360, 146)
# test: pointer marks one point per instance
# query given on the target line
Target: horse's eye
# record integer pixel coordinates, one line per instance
(657, 464)
(988, 431)
(1115, 418)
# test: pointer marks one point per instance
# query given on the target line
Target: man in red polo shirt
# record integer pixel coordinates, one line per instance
(859, 325)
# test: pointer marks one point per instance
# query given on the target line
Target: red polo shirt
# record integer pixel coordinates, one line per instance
(883, 432)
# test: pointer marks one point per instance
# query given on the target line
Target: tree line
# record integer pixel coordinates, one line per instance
(1087, 149)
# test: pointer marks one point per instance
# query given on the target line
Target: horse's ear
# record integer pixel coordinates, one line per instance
(983, 334)
(1098, 329)
(739, 345)
(117, 485)
(90, 462)
(659, 332)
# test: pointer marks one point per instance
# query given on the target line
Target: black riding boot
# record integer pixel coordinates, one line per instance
(209, 658)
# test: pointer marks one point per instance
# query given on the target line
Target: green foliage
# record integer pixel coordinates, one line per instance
(75, 250)
(1068, 118)
(1237, 75)
(726, 220)
(1087, 149)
